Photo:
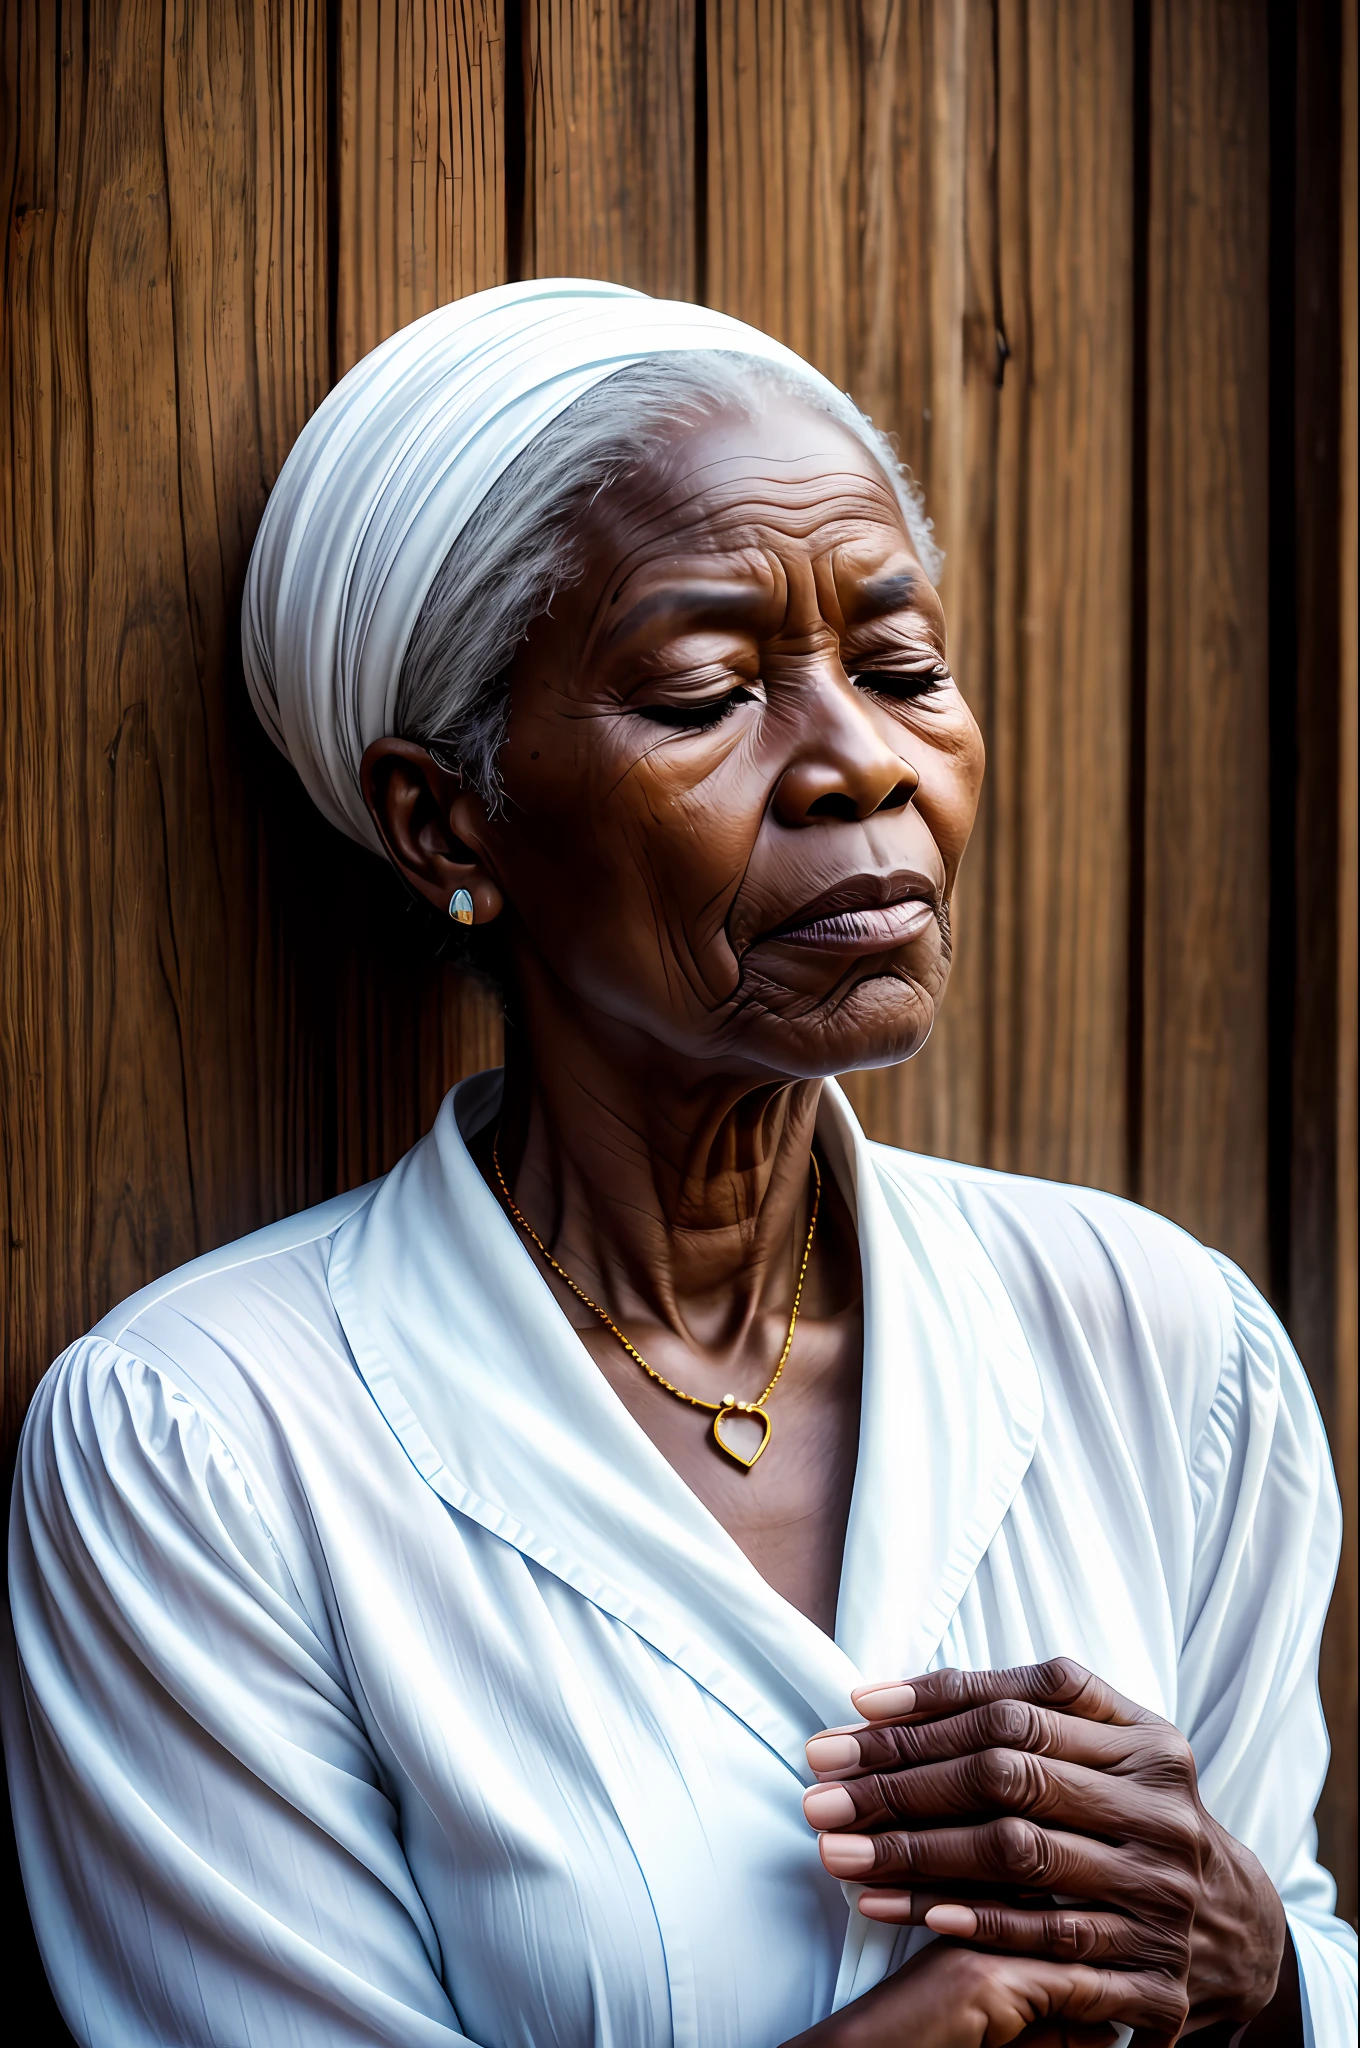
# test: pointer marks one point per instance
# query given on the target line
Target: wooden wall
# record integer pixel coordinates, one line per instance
(1084, 259)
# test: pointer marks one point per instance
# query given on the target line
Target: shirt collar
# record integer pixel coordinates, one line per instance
(503, 1412)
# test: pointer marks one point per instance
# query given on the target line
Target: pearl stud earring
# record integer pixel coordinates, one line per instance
(460, 906)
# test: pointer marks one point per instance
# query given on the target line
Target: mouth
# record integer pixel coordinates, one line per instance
(870, 914)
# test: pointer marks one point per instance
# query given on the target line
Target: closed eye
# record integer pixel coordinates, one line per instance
(700, 717)
(902, 684)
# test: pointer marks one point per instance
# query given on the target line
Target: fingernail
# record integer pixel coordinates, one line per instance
(833, 1753)
(828, 1806)
(885, 1702)
(953, 1920)
(893, 1906)
(847, 1855)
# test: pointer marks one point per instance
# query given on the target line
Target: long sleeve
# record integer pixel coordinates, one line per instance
(209, 1852)
(1268, 1534)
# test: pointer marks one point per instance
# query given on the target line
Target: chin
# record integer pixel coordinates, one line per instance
(869, 1020)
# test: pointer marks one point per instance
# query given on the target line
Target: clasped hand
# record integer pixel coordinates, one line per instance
(973, 1802)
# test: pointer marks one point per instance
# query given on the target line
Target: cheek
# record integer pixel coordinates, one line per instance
(949, 792)
(627, 867)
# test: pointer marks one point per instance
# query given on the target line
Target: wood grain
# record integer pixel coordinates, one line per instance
(420, 162)
(1057, 891)
(1207, 885)
(420, 219)
(162, 343)
(609, 173)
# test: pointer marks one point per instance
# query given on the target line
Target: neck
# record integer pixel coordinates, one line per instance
(673, 1191)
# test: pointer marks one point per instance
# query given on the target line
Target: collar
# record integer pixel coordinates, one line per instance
(504, 1414)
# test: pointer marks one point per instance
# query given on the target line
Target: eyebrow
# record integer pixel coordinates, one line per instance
(888, 593)
(725, 601)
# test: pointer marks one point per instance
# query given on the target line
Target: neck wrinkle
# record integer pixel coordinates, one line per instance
(670, 1196)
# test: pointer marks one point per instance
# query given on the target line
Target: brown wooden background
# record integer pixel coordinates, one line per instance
(1086, 258)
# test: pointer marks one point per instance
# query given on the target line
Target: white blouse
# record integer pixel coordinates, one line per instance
(376, 1680)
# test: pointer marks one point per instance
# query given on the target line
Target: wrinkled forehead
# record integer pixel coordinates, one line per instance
(780, 464)
(760, 492)
(742, 533)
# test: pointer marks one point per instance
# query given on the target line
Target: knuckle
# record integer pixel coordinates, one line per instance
(1169, 1950)
(1010, 1778)
(889, 1795)
(903, 1746)
(1178, 1761)
(892, 1853)
(1069, 1686)
(1181, 1837)
(951, 1687)
(872, 1797)
(1068, 1936)
(1021, 1848)
(1080, 1937)
(1062, 1678)
(1011, 1724)
(1155, 1947)
(1172, 1897)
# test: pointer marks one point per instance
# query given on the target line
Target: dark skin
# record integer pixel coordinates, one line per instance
(739, 780)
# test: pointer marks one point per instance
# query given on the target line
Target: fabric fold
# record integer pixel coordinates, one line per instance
(502, 1410)
(388, 471)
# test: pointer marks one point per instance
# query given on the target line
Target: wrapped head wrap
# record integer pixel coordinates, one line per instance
(388, 471)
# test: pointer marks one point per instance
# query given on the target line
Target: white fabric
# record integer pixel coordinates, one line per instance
(388, 471)
(378, 1681)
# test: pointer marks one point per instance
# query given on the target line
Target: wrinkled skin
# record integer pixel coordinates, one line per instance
(1046, 1779)
(739, 780)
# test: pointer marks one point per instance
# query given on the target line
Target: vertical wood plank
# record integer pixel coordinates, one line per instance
(1056, 888)
(609, 175)
(162, 340)
(1207, 881)
(420, 220)
(786, 91)
(420, 162)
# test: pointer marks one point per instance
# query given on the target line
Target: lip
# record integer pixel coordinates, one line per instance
(868, 914)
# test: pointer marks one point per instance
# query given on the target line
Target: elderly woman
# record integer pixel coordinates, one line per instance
(481, 1609)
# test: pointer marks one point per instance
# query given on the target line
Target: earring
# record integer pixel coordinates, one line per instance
(460, 906)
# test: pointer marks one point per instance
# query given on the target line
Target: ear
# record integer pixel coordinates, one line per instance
(422, 812)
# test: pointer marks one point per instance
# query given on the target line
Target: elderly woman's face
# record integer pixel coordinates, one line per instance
(739, 776)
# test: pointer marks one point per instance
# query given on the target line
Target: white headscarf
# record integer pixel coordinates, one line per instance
(388, 471)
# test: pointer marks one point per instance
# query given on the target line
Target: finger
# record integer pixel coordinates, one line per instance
(1058, 1933)
(909, 1908)
(999, 1997)
(1000, 1781)
(912, 1908)
(1000, 1724)
(1059, 1683)
(1062, 1934)
(1090, 1996)
(1009, 1852)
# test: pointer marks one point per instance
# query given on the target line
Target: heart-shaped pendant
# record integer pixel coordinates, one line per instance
(748, 1431)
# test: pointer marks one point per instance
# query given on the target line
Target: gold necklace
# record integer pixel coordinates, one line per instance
(729, 1404)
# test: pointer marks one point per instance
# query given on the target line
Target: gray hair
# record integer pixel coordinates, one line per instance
(521, 546)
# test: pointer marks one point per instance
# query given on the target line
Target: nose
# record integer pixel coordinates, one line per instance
(844, 768)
